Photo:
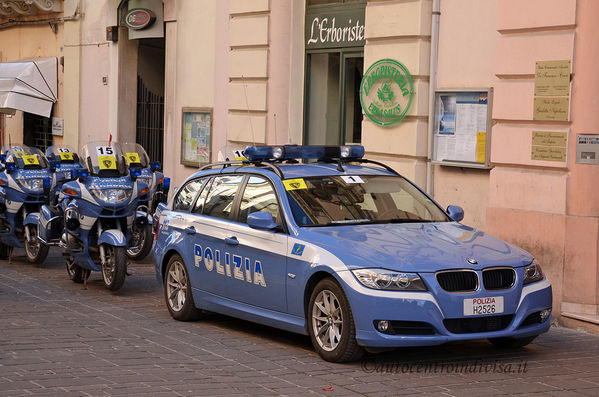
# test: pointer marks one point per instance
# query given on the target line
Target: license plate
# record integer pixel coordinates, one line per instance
(482, 306)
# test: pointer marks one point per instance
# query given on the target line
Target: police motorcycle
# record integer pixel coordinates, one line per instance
(136, 157)
(99, 212)
(25, 181)
(65, 166)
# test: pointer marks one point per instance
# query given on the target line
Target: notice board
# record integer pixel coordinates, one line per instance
(461, 135)
(196, 136)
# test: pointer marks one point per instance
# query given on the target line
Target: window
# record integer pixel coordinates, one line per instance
(198, 206)
(219, 202)
(186, 195)
(334, 67)
(259, 195)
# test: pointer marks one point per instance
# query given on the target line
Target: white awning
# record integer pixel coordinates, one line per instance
(30, 85)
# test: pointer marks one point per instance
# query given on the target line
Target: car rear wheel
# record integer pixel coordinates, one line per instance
(511, 343)
(331, 323)
(177, 291)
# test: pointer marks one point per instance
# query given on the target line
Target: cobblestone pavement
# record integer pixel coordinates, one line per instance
(60, 339)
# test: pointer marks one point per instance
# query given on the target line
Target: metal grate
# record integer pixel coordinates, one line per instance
(150, 121)
(458, 281)
(477, 324)
(499, 278)
(37, 131)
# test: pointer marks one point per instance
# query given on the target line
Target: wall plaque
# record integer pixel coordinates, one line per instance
(552, 78)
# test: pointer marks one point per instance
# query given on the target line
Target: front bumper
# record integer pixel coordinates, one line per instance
(423, 316)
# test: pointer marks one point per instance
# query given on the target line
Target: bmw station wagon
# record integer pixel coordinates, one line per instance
(343, 249)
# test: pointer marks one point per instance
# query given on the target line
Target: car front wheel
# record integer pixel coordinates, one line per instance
(331, 323)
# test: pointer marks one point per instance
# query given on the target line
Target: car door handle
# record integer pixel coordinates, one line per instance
(232, 240)
(190, 230)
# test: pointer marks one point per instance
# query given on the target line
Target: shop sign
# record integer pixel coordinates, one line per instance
(386, 92)
(334, 27)
(139, 18)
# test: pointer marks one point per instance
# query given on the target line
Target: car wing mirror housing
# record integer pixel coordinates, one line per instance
(455, 212)
(262, 220)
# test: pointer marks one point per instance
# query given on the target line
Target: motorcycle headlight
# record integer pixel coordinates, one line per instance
(389, 280)
(35, 184)
(533, 273)
(112, 196)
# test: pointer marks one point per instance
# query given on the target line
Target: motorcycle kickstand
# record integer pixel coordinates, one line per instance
(10, 248)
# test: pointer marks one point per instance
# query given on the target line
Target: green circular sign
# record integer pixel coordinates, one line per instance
(386, 92)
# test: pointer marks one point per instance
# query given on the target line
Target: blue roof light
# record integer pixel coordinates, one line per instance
(288, 152)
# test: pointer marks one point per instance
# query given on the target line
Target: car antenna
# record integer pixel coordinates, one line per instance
(247, 105)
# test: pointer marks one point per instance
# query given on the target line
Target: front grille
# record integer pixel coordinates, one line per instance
(458, 281)
(410, 328)
(477, 324)
(499, 278)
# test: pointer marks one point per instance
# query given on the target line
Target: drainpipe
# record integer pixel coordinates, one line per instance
(431, 93)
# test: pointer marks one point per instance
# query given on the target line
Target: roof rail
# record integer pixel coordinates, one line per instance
(226, 164)
(385, 166)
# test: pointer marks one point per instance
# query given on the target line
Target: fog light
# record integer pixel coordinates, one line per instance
(544, 314)
(383, 325)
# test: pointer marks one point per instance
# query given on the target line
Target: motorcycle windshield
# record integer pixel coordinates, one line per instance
(104, 159)
(62, 154)
(135, 155)
(25, 157)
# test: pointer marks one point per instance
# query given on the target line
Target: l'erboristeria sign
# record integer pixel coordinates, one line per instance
(334, 27)
(386, 92)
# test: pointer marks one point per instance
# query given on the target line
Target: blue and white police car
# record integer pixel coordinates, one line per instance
(343, 249)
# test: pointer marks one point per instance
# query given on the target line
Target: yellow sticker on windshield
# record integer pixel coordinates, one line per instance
(107, 162)
(133, 158)
(294, 184)
(30, 159)
(66, 156)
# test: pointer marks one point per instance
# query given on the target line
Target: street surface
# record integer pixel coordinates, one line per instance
(58, 339)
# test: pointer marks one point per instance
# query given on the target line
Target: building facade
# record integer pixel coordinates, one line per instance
(500, 115)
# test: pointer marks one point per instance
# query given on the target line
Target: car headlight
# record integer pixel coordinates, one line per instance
(533, 273)
(35, 184)
(112, 196)
(389, 280)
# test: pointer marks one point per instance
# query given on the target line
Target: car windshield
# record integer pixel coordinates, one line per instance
(103, 159)
(25, 157)
(61, 154)
(135, 155)
(342, 200)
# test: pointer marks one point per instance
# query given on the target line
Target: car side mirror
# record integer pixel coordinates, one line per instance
(455, 212)
(262, 220)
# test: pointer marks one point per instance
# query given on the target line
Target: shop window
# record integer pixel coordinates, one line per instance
(334, 68)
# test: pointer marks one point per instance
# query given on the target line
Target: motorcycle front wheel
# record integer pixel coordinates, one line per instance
(76, 272)
(141, 243)
(114, 269)
(36, 251)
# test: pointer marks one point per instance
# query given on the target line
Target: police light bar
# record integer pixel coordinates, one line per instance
(289, 152)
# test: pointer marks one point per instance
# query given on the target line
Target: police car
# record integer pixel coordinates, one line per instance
(343, 249)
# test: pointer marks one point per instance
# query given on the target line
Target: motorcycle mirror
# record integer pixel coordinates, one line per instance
(155, 165)
(82, 174)
(134, 173)
(10, 166)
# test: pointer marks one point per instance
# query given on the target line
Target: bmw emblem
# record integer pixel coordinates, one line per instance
(472, 261)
